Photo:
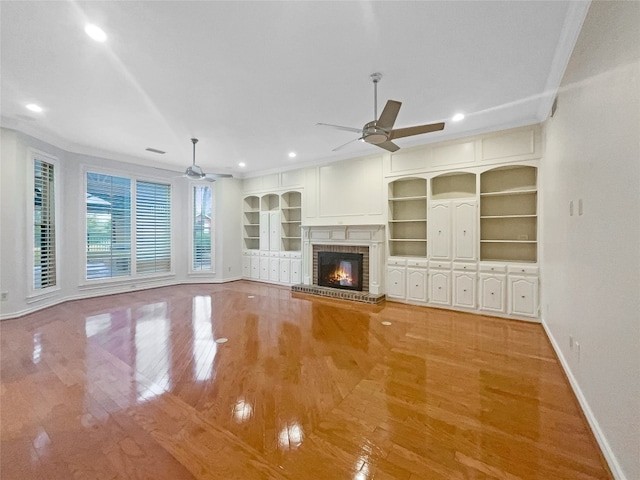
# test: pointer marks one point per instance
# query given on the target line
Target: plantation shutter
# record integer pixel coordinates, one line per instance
(108, 226)
(153, 227)
(44, 223)
(201, 253)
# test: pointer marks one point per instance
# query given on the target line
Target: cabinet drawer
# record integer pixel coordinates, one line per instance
(465, 267)
(522, 269)
(440, 265)
(264, 253)
(396, 261)
(493, 268)
(417, 263)
(296, 254)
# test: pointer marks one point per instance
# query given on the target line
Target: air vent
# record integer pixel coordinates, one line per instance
(155, 150)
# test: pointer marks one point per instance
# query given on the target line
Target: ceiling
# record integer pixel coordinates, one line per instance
(250, 80)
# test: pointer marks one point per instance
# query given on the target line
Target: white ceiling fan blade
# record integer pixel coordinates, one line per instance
(212, 177)
(345, 144)
(340, 127)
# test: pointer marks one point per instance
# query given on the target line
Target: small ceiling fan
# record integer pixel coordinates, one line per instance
(380, 132)
(194, 172)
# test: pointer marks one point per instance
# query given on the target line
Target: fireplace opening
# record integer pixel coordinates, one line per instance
(340, 270)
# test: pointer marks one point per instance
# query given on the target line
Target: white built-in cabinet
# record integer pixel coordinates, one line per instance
(472, 237)
(272, 237)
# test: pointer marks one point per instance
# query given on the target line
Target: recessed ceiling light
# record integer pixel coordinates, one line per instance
(95, 32)
(34, 108)
(457, 117)
(292, 154)
(242, 164)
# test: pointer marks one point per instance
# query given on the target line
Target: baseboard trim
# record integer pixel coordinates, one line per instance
(110, 290)
(607, 452)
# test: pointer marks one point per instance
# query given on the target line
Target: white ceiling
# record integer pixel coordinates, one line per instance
(251, 79)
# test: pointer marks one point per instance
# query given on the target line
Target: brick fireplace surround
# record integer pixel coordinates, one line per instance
(365, 239)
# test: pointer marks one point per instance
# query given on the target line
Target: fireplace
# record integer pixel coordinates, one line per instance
(340, 270)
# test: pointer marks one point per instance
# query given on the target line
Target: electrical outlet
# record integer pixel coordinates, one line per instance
(4, 296)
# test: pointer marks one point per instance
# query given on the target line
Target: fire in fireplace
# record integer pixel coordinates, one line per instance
(340, 270)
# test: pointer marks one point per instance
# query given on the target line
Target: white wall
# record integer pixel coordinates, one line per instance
(15, 166)
(591, 262)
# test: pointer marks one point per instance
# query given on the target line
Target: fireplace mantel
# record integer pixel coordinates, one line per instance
(371, 236)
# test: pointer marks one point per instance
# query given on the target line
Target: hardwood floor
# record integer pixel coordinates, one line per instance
(135, 386)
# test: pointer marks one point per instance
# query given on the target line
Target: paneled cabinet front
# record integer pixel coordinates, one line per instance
(523, 296)
(396, 281)
(492, 292)
(417, 284)
(464, 289)
(440, 287)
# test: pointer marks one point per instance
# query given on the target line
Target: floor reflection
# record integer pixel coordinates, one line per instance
(204, 346)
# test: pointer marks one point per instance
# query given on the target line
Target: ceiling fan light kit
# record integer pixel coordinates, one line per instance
(194, 172)
(380, 132)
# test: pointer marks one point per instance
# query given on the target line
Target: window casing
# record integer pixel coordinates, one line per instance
(202, 231)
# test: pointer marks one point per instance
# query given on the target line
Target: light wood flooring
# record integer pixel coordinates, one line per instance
(134, 386)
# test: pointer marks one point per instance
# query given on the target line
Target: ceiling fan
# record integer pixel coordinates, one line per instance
(380, 132)
(194, 172)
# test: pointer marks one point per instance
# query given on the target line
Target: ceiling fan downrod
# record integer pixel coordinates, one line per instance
(375, 78)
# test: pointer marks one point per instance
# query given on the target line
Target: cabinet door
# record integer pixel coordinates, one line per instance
(296, 271)
(492, 292)
(417, 284)
(264, 268)
(274, 269)
(264, 230)
(439, 291)
(246, 266)
(255, 267)
(440, 231)
(274, 231)
(523, 296)
(464, 290)
(465, 228)
(285, 270)
(395, 282)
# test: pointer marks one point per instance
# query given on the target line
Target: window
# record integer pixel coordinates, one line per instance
(201, 218)
(153, 227)
(44, 225)
(108, 226)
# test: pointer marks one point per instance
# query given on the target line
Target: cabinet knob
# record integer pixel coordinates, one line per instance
(522, 296)
(439, 288)
(464, 290)
(523, 269)
(464, 232)
(492, 293)
(417, 285)
(492, 269)
(439, 231)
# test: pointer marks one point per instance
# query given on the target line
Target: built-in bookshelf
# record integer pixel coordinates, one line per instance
(508, 214)
(291, 218)
(408, 217)
(251, 222)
